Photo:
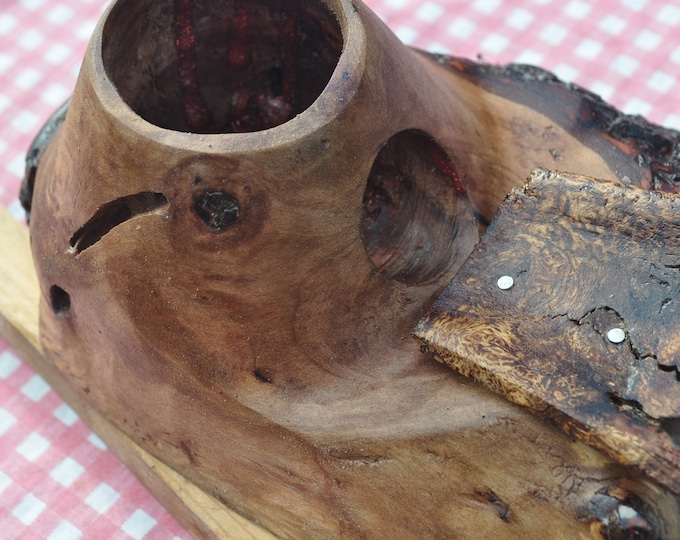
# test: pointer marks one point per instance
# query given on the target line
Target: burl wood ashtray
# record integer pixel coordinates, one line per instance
(248, 207)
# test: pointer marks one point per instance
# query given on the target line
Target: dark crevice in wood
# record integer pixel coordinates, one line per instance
(501, 508)
(631, 408)
(113, 214)
(670, 369)
(261, 376)
(185, 446)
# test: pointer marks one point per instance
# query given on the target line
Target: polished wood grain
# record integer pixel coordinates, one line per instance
(202, 515)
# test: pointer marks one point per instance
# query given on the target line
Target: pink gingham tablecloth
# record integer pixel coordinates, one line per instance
(57, 479)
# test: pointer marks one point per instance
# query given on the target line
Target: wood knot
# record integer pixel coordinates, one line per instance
(218, 209)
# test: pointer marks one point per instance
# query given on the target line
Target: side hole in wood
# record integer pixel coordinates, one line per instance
(112, 214)
(408, 215)
(60, 301)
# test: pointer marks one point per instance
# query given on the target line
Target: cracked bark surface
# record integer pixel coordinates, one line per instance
(587, 256)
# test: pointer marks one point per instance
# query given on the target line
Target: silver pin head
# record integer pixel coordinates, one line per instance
(505, 282)
(616, 335)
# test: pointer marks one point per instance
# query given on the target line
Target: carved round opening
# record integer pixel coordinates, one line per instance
(220, 66)
(408, 215)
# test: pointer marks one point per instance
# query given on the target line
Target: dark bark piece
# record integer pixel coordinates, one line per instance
(34, 154)
(588, 258)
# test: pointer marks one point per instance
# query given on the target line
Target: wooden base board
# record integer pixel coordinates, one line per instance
(201, 514)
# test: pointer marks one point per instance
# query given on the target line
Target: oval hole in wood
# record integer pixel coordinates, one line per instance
(112, 214)
(220, 66)
(408, 215)
(60, 301)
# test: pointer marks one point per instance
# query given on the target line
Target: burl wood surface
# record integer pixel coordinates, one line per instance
(199, 513)
(240, 302)
(587, 257)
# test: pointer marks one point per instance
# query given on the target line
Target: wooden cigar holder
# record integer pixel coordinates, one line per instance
(248, 208)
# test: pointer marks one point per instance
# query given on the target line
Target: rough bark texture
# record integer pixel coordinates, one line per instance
(240, 302)
(655, 149)
(587, 257)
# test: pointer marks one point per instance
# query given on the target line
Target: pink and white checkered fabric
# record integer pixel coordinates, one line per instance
(57, 479)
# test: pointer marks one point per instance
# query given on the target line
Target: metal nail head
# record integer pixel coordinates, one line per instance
(616, 335)
(505, 282)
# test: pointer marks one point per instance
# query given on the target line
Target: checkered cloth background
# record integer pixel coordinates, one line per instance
(57, 479)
